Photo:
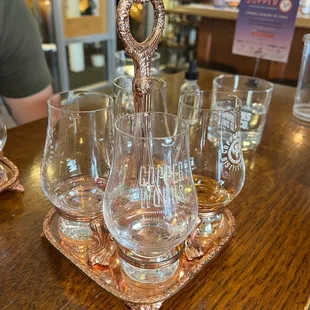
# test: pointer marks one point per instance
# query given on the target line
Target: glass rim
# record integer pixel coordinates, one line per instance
(222, 76)
(236, 98)
(155, 56)
(164, 84)
(103, 95)
(175, 117)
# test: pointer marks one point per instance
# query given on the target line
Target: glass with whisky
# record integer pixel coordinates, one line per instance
(76, 161)
(215, 152)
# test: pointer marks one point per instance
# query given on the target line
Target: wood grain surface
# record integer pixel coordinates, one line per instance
(266, 266)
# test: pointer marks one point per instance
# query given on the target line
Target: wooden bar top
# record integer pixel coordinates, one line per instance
(265, 266)
(209, 11)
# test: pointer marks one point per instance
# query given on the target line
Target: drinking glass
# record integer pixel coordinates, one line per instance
(76, 161)
(3, 137)
(215, 150)
(124, 98)
(124, 64)
(255, 95)
(301, 108)
(150, 204)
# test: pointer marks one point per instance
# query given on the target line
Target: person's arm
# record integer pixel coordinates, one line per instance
(25, 81)
(27, 109)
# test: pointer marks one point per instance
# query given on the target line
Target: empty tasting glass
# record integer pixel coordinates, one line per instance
(76, 160)
(3, 137)
(215, 150)
(150, 204)
(301, 108)
(255, 95)
(124, 64)
(123, 95)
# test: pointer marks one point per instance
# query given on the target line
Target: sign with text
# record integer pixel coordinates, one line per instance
(265, 29)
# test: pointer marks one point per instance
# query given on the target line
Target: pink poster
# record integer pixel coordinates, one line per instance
(265, 29)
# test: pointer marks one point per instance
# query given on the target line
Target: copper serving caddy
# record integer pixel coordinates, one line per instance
(114, 281)
(198, 252)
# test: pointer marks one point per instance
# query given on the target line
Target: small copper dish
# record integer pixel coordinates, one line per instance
(136, 295)
(9, 176)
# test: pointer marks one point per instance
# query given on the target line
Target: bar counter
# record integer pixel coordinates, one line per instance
(265, 266)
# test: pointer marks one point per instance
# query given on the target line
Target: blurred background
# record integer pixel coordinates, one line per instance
(80, 40)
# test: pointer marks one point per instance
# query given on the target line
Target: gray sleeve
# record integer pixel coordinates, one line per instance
(23, 68)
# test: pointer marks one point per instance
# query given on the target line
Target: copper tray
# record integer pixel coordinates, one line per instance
(137, 296)
(10, 180)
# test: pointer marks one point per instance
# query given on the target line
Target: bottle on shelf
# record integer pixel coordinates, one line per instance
(191, 79)
(97, 58)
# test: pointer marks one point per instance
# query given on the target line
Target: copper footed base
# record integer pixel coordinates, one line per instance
(10, 178)
(137, 295)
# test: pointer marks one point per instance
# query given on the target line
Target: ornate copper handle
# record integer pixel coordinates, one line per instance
(141, 52)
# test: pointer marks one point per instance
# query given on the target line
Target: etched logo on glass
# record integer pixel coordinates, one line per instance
(232, 153)
(162, 185)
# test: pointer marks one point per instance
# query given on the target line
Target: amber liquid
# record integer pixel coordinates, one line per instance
(211, 195)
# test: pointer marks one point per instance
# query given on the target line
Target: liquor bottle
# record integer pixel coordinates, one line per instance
(191, 79)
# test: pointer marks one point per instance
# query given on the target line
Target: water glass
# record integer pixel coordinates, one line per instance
(124, 98)
(150, 205)
(77, 156)
(301, 108)
(215, 152)
(124, 64)
(255, 95)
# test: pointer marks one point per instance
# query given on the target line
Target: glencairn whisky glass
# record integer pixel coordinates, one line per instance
(215, 151)
(124, 98)
(150, 204)
(76, 161)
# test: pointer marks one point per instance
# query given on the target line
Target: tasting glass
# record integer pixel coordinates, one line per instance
(215, 152)
(125, 66)
(76, 160)
(3, 137)
(255, 95)
(150, 204)
(124, 98)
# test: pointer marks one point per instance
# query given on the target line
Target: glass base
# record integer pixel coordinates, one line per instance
(302, 111)
(250, 140)
(76, 235)
(149, 276)
(79, 231)
(210, 223)
(150, 270)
